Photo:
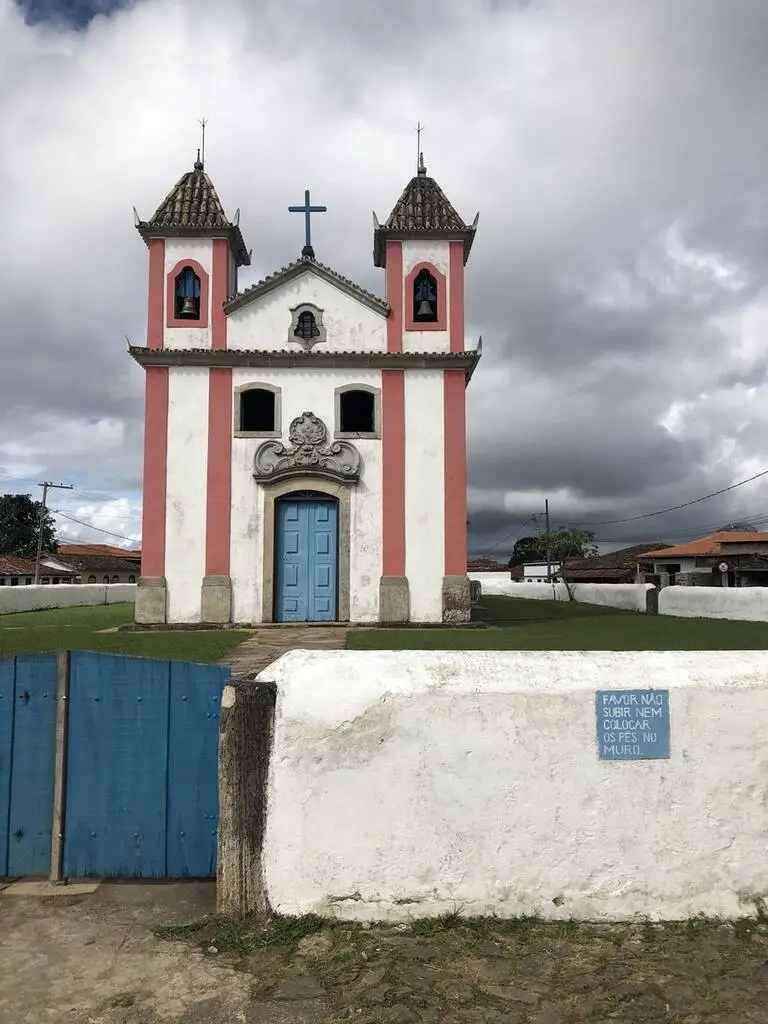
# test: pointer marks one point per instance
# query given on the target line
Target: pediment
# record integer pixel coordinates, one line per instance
(300, 268)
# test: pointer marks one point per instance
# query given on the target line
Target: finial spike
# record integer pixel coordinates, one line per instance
(419, 155)
(201, 152)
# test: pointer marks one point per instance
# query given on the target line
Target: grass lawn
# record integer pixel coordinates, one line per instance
(78, 629)
(520, 624)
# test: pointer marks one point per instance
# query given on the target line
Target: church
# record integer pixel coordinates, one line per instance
(305, 439)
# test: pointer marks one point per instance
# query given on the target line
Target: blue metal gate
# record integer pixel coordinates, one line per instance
(140, 787)
(27, 740)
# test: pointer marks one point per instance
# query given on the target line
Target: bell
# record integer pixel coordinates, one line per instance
(188, 309)
(425, 309)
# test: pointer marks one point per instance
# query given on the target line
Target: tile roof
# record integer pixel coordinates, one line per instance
(710, 545)
(624, 558)
(108, 550)
(423, 209)
(193, 207)
(10, 566)
(300, 266)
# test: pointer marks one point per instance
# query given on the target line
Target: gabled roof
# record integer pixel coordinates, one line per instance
(11, 566)
(192, 209)
(624, 558)
(422, 211)
(306, 264)
(100, 550)
(711, 545)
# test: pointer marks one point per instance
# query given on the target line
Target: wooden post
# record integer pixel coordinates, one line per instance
(245, 744)
(60, 765)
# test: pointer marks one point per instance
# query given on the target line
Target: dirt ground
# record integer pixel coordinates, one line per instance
(151, 954)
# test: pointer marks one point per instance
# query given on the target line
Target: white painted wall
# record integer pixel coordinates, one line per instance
(631, 596)
(438, 254)
(64, 595)
(200, 249)
(186, 489)
(303, 390)
(265, 323)
(408, 784)
(750, 603)
(424, 493)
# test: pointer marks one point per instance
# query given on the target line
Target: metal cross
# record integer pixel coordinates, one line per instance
(419, 130)
(307, 209)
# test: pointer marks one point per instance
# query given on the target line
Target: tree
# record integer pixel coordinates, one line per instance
(19, 525)
(568, 545)
(527, 549)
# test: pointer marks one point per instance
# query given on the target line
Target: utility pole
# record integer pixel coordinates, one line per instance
(546, 536)
(45, 485)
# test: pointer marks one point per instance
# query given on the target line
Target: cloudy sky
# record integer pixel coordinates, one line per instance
(617, 152)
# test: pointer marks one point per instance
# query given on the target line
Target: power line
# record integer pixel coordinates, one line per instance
(510, 535)
(109, 533)
(672, 508)
(46, 485)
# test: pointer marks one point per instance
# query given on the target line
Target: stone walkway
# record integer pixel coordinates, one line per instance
(267, 643)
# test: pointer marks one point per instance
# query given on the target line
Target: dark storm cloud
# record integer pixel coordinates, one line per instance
(616, 152)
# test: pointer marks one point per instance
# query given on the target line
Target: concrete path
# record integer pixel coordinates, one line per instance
(267, 643)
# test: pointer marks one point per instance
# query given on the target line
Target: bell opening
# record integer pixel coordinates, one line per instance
(425, 298)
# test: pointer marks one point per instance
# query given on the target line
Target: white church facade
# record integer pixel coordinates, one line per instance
(305, 440)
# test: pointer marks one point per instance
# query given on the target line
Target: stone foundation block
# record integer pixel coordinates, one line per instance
(151, 600)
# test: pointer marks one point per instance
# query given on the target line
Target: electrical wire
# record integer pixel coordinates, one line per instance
(98, 529)
(672, 508)
(510, 535)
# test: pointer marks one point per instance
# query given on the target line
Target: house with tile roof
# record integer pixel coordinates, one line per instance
(728, 558)
(305, 448)
(102, 563)
(20, 572)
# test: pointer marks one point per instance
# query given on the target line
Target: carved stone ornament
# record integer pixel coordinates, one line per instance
(309, 454)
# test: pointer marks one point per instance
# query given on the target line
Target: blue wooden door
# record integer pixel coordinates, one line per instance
(306, 560)
(142, 773)
(27, 741)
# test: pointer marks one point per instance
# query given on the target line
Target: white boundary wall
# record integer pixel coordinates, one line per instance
(407, 784)
(749, 603)
(630, 596)
(64, 595)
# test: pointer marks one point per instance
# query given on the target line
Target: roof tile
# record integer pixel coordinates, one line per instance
(710, 545)
(193, 205)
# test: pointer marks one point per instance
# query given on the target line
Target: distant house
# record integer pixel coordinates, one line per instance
(535, 572)
(723, 559)
(616, 567)
(102, 563)
(20, 572)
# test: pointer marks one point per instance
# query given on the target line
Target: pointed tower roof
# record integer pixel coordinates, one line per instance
(422, 211)
(193, 209)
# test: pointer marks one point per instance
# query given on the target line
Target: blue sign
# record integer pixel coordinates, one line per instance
(632, 725)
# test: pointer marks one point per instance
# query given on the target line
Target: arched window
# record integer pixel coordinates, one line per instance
(306, 328)
(187, 305)
(106, 579)
(357, 411)
(425, 297)
(91, 579)
(257, 410)
(115, 579)
(131, 579)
